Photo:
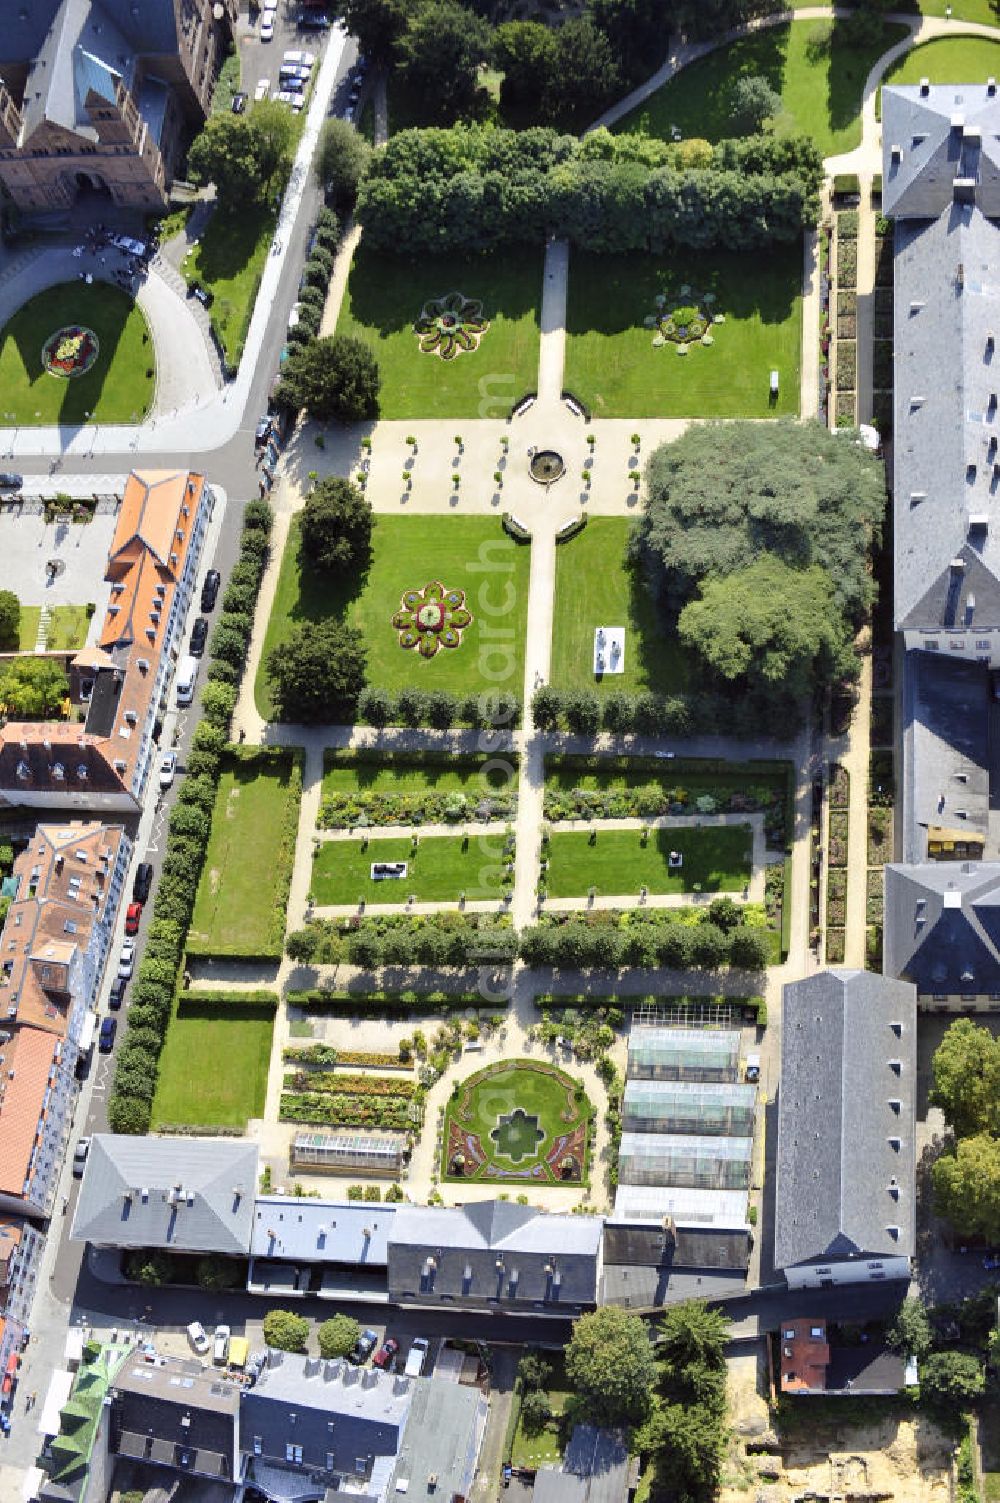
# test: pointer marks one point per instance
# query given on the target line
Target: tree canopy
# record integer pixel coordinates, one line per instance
(910, 1332)
(611, 1367)
(10, 619)
(317, 673)
(334, 377)
(967, 1186)
(966, 1069)
(245, 156)
(336, 524)
(952, 1379)
(341, 161)
(337, 1335)
(32, 688)
(286, 1330)
(439, 57)
(377, 24)
(751, 101)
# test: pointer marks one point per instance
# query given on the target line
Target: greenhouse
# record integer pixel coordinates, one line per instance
(707, 1054)
(696, 1163)
(688, 1106)
(719, 1209)
(343, 1152)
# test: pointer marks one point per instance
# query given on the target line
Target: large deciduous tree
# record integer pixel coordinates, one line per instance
(966, 1069)
(638, 31)
(585, 77)
(32, 688)
(336, 526)
(377, 24)
(334, 377)
(286, 1330)
(440, 55)
(967, 1186)
(342, 157)
(610, 1364)
(317, 673)
(750, 102)
(10, 619)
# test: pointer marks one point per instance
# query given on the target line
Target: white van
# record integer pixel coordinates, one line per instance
(187, 676)
(416, 1357)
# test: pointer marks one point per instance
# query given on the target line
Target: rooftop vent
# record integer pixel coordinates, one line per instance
(893, 1232)
(895, 1144)
(925, 86)
(896, 153)
(991, 86)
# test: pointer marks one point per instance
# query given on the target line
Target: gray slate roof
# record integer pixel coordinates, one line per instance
(835, 1159)
(942, 926)
(175, 1407)
(946, 777)
(594, 1470)
(321, 1231)
(947, 132)
(186, 1194)
(442, 1439)
(555, 1257)
(330, 1409)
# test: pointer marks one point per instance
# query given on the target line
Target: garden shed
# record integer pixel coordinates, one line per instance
(699, 1054)
(687, 1161)
(709, 1108)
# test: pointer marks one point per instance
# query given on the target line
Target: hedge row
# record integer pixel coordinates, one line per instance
(134, 1085)
(316, 279)
(699, 712)
(663, 937)
(439, 710)
(382, 1004)
(432, 939)
(205, 1003)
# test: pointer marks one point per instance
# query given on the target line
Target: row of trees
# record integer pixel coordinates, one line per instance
(757, 545)
(288, 1332)
(706, 710)
(434, 939)
(473, 189)
(661, 939)
(137, 1061)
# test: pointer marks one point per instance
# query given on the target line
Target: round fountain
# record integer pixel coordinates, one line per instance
(546, 465)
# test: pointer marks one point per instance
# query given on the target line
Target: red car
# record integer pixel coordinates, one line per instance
(132, 916)
(386, 1354)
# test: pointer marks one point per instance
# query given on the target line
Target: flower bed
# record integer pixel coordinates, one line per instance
(342, 810)
(323, 1054)
(450, 326)
(840, 786)
(835, 941)
(879, 836)
(70, 352)
(487, 1110)
(348, 1111)
(838, 838)
(431, 618)
(684, 319)
(330, 1083)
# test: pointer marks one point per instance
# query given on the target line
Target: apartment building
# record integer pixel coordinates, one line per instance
(104, 96)
(21, 1246)
(36, 1093)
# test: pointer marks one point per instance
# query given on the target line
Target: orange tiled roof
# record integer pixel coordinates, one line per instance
(30, 1059)
(805, 1356)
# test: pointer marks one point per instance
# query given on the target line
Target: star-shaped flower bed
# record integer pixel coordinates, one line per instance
(450, 325)
(431, 618)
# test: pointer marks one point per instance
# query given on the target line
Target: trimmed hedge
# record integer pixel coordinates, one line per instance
(439, 709)
(223, 1003)
(572, 528)
(382, 1004)
(514, 529)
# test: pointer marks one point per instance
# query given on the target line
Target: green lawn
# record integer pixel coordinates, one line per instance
(819, 76)
(229, 260)
(213, 1070)
(983, 11)
(595, 586)
(345, 775)
(613, 366)
(544, 1449)
(119, 386)
(536, 1148)
(470, 553)
(950, 60)
(440, 868)
(243, 892)
(384, 298)
(616, 862)
(67, 626)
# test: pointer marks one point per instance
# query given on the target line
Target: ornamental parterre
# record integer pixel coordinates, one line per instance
(683, 319)
(70, 351)
(450, 325)
(431, 618)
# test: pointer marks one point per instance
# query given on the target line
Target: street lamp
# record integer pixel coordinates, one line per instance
(11, 417)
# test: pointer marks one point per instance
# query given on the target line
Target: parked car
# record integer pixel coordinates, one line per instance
(133, 914)
(363, 1348)
(168, 766)
(416, 1356)
(80, 1157)
(304, 59)
(220, 1348)
(203, 295)
(262, 433)
(267, 26)
(143, 881)
(262, 90)
(239, 103)
(198, 1337)
(310, 20)
(386, 1354)
(210, 590)
(199, 636)
(295, 315)
(126, 960)
(116, 996)
(10, 480)
(991, 1262)
(294, 75)
(106, 1041)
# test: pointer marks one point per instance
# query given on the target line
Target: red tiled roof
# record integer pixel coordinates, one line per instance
(30, 1059)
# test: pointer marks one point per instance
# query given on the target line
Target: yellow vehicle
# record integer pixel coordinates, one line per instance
(239, 1350)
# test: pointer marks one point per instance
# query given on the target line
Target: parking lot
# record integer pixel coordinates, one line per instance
(261, 61)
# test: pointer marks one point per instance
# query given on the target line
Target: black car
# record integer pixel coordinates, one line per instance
(143, 881)
(10, 481)
(116, 996)
(363, 1348)
(262, 433)
(210, 590)
(239, 103)
(203, 295)
(109, 1027)
(310, 20)
(199, 636)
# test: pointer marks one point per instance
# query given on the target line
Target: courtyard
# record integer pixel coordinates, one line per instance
(519, 1121)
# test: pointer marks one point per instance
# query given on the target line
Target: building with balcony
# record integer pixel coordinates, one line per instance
(21, 1246)
(36, 1093)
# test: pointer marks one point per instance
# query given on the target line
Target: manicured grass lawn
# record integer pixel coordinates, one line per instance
(384, 297)
(949, 60)
(213, 1070)
(344, 776)
(116, 389)
(240, 907)
(616, 862)
(538, 1091)
(544, 1449)
(595, 586)
(470, 553)
(440, 868)
(229, 260)
(27, 627)
(613, 366)
(819, 76)
(67, 626)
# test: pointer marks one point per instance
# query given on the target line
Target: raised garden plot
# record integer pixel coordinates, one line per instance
(471, 554)
(438, 870)
(819, 74)
(613, 366)
(243, 892)
(389, 303)
(615, 862)
(596, 586)
(519, 1121)
(117, 384)
(383, 789)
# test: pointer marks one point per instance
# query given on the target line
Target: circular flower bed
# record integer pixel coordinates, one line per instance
(683, 319)
(431, 618)
(450, 325)
(70, 351)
